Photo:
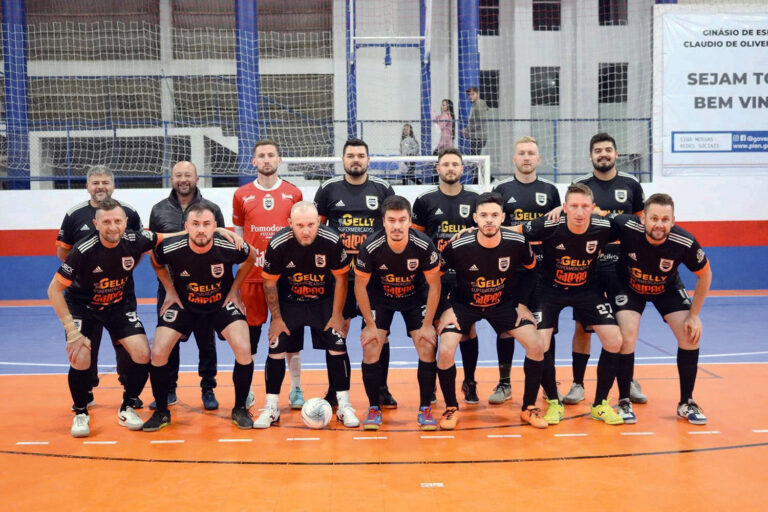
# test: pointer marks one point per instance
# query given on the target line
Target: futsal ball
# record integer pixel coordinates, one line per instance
(316, 413)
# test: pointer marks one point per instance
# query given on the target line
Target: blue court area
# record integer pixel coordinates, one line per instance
(735, 331)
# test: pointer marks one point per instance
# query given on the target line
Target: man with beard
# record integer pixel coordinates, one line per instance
(259, 210)
(651, 250)
(351, 204)
(200, 264)
(168, 216)
(77, 225)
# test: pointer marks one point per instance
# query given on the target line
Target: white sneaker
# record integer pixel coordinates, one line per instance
(250, 399)
(80, 425)
(636, 394)
(575, 394)
(346, 414)
(128, 418)
(268, 417)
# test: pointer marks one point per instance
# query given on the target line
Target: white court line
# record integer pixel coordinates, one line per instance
(28, 443)
(760, 431)
(638, 433)
(167, 441)
(367, 438)
(426, 485)
(571, 435)
(704, 432)
(99, 442)
(235, 440)
(436, 437)
(499, 436)
(302, 439)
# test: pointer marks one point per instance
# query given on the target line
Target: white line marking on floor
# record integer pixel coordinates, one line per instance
(426, 485)
(27, 443)
(499, 436)
(235, 440)
(761, 431)
(367, 438)
(571, 435)
(704, 432)
(302, 439)
(99, 442)
(167, 441)
(436, 437)
(638, 433)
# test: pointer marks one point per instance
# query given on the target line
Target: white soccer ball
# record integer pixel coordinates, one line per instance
(316, 413)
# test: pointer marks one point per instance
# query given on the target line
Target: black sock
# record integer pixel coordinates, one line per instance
(384, 363)
(371, 382)
(426, 375)
(136, 377)
(159, 377)
(533, 372)
(469, 354)
(242, 375)
(687, 366)
(548, 379)
(579, 367)
(625, 374)
(79, 386)
(505, 348)
(254, 332)
(338, 371)
(607, 368)
(447, 379)
(274, 373)
(328, 365)
(551, 349)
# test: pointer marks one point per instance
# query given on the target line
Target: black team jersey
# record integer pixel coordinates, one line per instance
(397, 278)
(101, 277)
(441, 216)
(647, 268)
(201, 280)
(622, 194)
(352, 210)
(306, 273)
(488, 276)
(527, 201)
(569, 259)
(78, 223)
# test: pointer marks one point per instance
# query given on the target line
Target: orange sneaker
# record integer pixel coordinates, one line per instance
(450, 418)
(532, 416)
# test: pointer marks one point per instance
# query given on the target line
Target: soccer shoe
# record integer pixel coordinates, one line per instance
(296, 398)
(636, 394)
(386, 399)
(532, 416)
(689, 411)
(373, 420)
(158, 420)
(425, 419)
(80, 426)
(268, 417)
(172, 400)
(450, 418)
(626, 412)
(250, 399)
(469, 388)
(209, 400)
(128, 418)
(604, 412)
(241, 418)
(91, 401)
(346, 415)
(501, 394)
(575, 394)
(555, 412)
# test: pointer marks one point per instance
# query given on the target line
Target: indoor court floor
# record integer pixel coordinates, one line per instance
(490, 462)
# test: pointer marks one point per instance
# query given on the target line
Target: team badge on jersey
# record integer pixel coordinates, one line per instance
(372, 202)
(621, 300)
(700, 255)
(464, 210)
(320, 260)
(666, 265)
(217, 270)
(170, 315)
(268, 202)
(504, 263)
(541, 198)
(146, 233)
(128, 262)
(591, 246)
(433, 257)
(413, 264)
(620, 194)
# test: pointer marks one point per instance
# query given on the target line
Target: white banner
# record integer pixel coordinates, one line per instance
(715, 93)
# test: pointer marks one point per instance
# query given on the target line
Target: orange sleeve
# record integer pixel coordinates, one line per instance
(416, 226)
(340, 271)
(533, 264)
(702, 270)
(517, 229)
(323, 218)
(270, 277)
(432, 270)
(62, 244)
(63, 280)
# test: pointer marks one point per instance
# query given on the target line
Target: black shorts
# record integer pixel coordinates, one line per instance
(184, 321)
(502, 317)
(674, 299)
(589, 305)
(121, 320)
(608, 282)
(314, 315)
(413, 314)
(350, 304)
(447, 284)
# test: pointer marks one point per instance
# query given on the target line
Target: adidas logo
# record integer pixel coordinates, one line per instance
(85, 228)
(474, 268)
(290, 265)
(560, 247)
(438, 212)
(383, 267)
(511, 200)
(632, 256)
(340, 203)
(184, 273)
(97, 270)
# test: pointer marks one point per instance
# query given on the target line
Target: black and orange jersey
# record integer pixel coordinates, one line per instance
(647, 268)
(488, 276)
(397, 277)
(306, 273)
(527, 201)
(101, 277)
(78, 223)
(352, 210)
(441, 216)
(569, 259)
(202, 281)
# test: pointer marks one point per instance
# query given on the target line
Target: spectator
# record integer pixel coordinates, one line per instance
(446, 121)
(409, 146)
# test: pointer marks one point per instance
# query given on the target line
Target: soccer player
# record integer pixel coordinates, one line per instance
(442, 212)
(168, 216)
(305, 283)
(489, 286)
(77, 225)
(200, 264)
(570, 249)
(525, 196)
(397, 270)
(98, 273)
(651, 250)
(259, 210)
(351, 204)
